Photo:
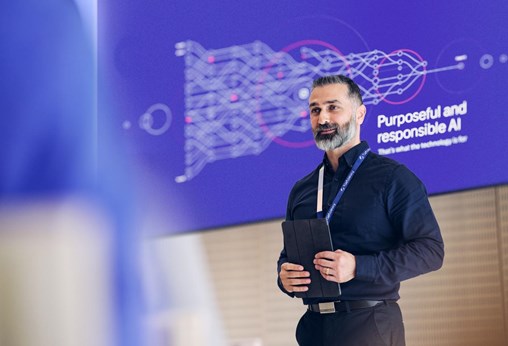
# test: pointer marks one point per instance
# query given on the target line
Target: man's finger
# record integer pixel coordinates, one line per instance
(327, 263)
(297, 275)
(326, 254)
(291, 266)
(300, 288)
(297, 282)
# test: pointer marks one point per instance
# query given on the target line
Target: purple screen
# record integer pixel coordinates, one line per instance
(212, 97)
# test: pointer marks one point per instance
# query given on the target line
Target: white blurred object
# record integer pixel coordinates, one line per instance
(180, 293)
(247, 342)
(55, 268)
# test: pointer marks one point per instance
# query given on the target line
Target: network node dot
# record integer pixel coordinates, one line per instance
(303, 93)
(486, 61)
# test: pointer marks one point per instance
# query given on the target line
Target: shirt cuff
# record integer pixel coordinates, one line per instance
(366, 268)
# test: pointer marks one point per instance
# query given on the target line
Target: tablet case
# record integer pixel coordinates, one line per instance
(303, 239)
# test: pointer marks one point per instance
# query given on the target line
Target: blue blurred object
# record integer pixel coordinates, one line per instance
(47, 85)
(48, 136)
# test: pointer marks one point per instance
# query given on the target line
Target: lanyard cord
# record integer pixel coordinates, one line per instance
(337, 198)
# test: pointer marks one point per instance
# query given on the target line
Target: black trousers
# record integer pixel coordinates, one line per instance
(380, 325)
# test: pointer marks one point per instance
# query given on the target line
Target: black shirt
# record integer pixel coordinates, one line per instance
(384, 219)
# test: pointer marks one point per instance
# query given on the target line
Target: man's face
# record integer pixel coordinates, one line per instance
(333, 116)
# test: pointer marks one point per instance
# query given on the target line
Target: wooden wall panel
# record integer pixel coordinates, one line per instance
(465, 303)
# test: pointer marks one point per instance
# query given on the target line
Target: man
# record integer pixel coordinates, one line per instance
(383, 229)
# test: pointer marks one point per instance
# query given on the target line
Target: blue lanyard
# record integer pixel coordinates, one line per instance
(337, 198)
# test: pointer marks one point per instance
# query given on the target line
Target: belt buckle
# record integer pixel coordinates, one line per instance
(326, 308)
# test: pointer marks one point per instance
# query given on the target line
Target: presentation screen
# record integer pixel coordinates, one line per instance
(212, 96)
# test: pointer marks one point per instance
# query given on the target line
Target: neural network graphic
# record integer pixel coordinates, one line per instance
(240, 99)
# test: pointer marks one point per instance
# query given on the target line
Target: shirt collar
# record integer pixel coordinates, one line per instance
(349, 156)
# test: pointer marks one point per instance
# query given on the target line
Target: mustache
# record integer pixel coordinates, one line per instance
(326, 126)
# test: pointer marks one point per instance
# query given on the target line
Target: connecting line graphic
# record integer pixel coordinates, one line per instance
(240, 99)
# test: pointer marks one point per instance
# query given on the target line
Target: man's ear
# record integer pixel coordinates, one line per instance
(360, 114)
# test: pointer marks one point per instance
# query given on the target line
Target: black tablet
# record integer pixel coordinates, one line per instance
(303, 239)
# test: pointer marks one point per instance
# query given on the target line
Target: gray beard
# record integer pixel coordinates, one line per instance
(342, 135)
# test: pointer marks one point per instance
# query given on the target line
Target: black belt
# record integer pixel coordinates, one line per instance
(345, 305)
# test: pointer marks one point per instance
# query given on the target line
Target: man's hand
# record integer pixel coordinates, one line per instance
(338, 266)
(294, 278)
